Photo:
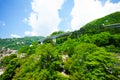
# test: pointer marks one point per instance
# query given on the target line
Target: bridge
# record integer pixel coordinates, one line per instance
(117, 25)
(53, 38)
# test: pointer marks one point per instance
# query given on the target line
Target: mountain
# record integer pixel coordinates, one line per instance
(16, 43)
(99, 25)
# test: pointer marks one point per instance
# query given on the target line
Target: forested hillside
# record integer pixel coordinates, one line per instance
(91, 53)
(16, 43)
(99, 25)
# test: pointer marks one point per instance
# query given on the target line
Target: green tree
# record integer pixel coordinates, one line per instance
(6, 60)
(92, 63)
(68, 46)
(10, 70)
(56, 33)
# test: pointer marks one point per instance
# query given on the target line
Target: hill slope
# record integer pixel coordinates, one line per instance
(98, 25)
(16, 43)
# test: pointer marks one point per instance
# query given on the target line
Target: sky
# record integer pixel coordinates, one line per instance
(19, 18)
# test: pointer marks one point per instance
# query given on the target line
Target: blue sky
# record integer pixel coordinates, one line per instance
(12, 14)
(64, 14)
(19, 18)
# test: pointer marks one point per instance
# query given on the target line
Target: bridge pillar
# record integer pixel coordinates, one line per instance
(41, 42)
(54, 41)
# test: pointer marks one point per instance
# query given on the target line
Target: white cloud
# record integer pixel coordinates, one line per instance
(30, 33)
(27, 33)
(15, 36)
(45, 18)
(85, 11)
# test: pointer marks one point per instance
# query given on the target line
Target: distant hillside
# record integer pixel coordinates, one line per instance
(98, 25)
(16, 43)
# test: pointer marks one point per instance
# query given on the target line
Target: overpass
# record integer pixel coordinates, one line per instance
(117, 25)
(53, 38)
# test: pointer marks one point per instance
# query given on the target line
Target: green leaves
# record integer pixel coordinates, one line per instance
(92, 62)
(10, 70)
(6, 60)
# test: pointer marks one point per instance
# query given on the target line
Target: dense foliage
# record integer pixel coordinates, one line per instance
(6, 60)
(74, 57)
(84, 61)
(56, 33)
